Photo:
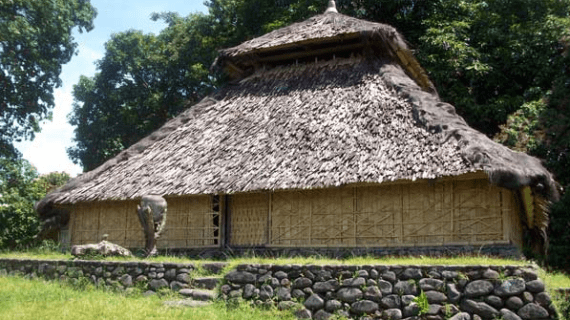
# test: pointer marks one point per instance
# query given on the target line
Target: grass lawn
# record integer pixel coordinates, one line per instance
(38, 299)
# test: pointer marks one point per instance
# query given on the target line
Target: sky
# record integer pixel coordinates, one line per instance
(47, 152)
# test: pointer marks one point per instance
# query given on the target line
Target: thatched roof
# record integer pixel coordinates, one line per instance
(333, 28)
(308, 125)
(323, 36)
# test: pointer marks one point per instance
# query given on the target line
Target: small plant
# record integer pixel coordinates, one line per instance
(463, 276)
(503, 276)
(48, 246)
(422, 303)
(448, 311)
(355, 274)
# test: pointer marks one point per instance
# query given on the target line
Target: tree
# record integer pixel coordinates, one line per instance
(542, 128)
(489, 58)
(142, 81)
(35, 41)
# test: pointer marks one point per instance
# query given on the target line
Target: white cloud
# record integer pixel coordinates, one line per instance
(47, 151)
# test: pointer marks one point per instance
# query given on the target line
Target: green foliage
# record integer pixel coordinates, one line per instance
(542, 128)
(490, 57)
(35, 41)
(18, 191)
(422, 303)
(142, 81)
(20, 188)
(522, 131)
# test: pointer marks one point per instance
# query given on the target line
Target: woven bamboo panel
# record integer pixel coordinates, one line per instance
(477, 212)
(379, 221)
(511, 216)
(289, 218)
(113, 221)
(85, 224)
(134, 230)
(190, 222)
(321, 217)
(332, 217)
(249, 214)
(422, 213)
(427, 213)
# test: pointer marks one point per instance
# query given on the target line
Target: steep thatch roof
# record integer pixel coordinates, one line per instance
(372, 118)
(322, 36)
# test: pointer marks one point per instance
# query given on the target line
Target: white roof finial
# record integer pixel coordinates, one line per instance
(331, 7)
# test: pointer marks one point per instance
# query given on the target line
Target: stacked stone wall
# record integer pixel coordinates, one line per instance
(395, 292)
(120, 275)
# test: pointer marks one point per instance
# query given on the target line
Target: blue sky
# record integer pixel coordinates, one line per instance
(47, 151)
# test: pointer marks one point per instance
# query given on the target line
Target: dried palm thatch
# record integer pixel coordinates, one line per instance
(315, 124)
(325, 35)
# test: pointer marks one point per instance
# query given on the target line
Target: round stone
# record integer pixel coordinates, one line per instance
(532, 311)
(392, 314)
(392, 301)
(354, 282)
(412, 273)
(283, 294)
(406, 287)
(349, 294)
(453, 294)
(543, 299)
(314, 302)
(385, 287)
(373, 294)
(301, 283)
(478, 288)
(514, 303)
(333, 305)
(509, 315)
(322, 315)
(511, 287)
(248, 290)
(494, 301)
(364, 306)
(435, 297)
(427, 284)
(535, 286)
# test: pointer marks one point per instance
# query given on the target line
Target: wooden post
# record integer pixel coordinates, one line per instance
(269, 211)
(227, 221)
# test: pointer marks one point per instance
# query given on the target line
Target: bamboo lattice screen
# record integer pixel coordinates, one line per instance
(422, 213)
(190, 222)
(248, 220)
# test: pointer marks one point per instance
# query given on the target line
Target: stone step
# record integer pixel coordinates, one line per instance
(187, 303)
(209, 283)
(198, 294)
(214, 267)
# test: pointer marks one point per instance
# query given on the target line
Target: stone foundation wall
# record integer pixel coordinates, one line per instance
(120, 275)
(395, 292)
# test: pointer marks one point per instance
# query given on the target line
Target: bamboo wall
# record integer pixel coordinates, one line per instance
(248, 221)
(421, 213)
(190, 222)
(398, 214)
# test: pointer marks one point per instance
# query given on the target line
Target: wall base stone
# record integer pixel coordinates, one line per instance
(397, 292)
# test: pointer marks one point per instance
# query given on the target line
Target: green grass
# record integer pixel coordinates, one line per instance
(38, 299)
(366, 260)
